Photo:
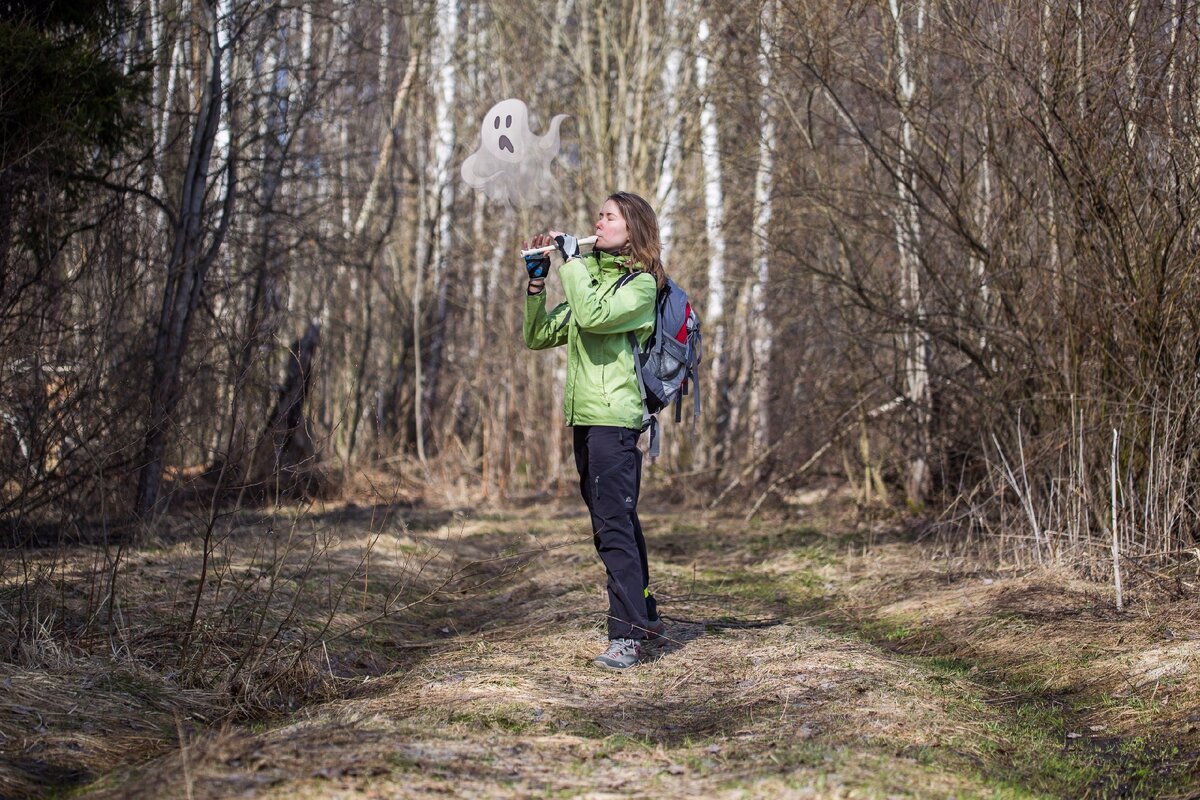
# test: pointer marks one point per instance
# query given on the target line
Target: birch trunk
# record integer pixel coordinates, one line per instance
(915, 342)
(714, 220)
(1176, 13)
(1044, 81)
(1080, 58)
(984, 221)
(421, 250)
(386, 147)
(760, 322)
(1046, 121)
(157, 101)
(1195, 94)
(175, 66)
(1131, 75)
(444, 180)
(666, 193)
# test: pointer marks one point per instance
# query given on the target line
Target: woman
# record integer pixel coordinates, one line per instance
(602, 402)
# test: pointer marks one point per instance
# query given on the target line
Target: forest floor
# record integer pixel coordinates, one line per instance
(808, 656)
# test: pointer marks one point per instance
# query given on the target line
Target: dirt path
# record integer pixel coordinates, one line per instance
(803, 662)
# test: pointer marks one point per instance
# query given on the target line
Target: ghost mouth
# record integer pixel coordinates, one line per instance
(506, 144)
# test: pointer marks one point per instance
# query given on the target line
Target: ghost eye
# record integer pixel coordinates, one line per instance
(498, 123)
(508, 121)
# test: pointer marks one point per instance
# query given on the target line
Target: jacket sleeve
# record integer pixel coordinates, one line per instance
(544, 330)
(626, 309)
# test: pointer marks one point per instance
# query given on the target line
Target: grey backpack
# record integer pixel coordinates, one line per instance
(669, 367)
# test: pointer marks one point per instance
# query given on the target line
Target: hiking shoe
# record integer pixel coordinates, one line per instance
(621, 654)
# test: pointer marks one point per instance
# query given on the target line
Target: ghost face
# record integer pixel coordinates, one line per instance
(611, 232)
(505, 131)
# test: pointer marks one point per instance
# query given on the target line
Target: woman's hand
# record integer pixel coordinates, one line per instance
(539, 240)
(538, 266)
(567, 244)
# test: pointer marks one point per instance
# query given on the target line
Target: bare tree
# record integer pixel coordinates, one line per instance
(193, 253)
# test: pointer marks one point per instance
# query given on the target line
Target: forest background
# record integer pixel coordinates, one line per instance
(944, 251)
(945, 254)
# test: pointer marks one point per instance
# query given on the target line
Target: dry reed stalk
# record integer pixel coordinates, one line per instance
(1058, 487)
(1116, 545)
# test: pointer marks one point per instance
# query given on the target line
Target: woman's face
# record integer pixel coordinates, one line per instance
(611, 234)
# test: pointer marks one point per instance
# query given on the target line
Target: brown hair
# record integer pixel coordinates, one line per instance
(641, 225)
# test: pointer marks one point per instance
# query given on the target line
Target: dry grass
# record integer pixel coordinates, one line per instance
(808, 665)
(757, 711)
(291, 613)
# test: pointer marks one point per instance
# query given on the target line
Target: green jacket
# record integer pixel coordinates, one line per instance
(593, 323)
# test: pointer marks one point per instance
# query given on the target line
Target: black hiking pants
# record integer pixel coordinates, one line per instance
(610, 477)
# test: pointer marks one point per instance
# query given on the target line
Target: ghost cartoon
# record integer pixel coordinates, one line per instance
(512, 164)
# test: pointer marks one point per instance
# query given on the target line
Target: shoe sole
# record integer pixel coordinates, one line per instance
(615, 667)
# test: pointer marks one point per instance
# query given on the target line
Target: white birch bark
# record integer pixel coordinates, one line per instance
(760, 327)
(475, 309)
(915, 341)
(164, 118)
(306, 37)
(985, 227)
(1173, 66)
(387, 145)
(156, 40)
(1046, 122)
(447, 35)
(225, 26)
(1131, 75)
(174, 67)
(714, 207)
(1080, 54)
(1195, 94)
(477, 44)
(447, 38)
(419, 264)
(385, 45)
(665, 193)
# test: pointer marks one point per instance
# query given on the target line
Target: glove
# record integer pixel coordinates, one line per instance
(568, 245)
(538, 266)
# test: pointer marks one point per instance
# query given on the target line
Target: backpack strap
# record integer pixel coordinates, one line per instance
(648, 420)
(693, 373)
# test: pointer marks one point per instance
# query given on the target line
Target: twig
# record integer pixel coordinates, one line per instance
(756, 463)
(728, 622)
(794, 473)
(817, 455)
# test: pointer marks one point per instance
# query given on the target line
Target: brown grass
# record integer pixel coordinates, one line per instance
(809, 665)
